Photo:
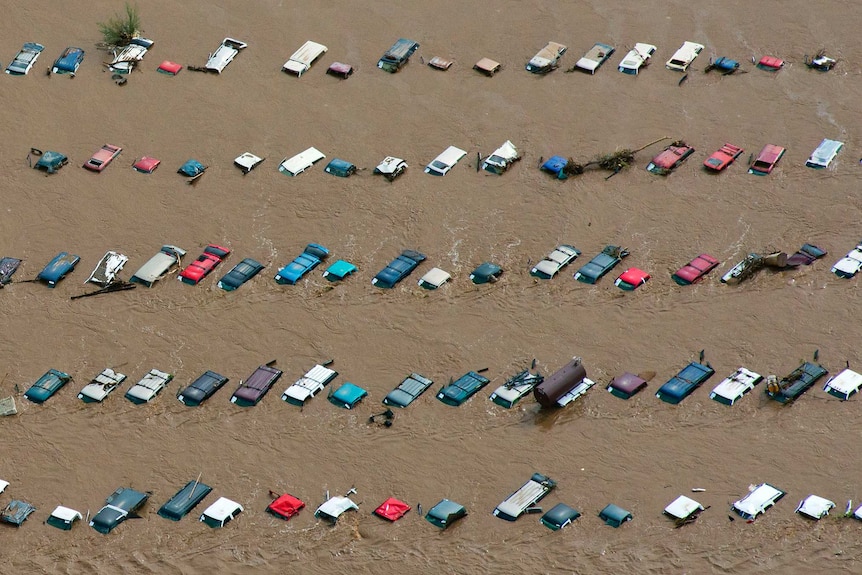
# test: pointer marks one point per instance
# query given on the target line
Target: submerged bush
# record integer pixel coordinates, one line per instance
(119, 30)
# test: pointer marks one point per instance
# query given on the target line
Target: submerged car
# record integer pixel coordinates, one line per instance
(758, 500)
(16, 512)
(849, 265)
(695, 270)
(8, 267)
(684, 56)
(636, 58)
(63, 518)
(462, 389)
(815, 507)
(101, 385)
(24, 60)
(398, 55)
(69, 61)
(200, 268)
(797, 382)
(445, 513)
(391, 167)
(240, 274)
(149, 386)
(334, 507)
(57, 268)
(501, 159)
(202, 388)
(339, 270)
(122, 503)
(102, 158)
(146, 165)
(601, 264)
(595, 57)
(684, 383)
(408, 390)
(722, 157)
(398, 269)
(348, 395)
(560, 257)
(766, 160)
(823, 155)
(516, 388)
(252, 390)
(50, 162)
(732, 388)
(625, 386)
(447, 159)
(309, 259)
(559, 516)
(186, 499)
(158, 266)
(221, 512)
(631, 279)
(547, 59)
(670, 158)
(340, 168)
(47, 385)
(844, 385)
(224, 54)
(486, 273)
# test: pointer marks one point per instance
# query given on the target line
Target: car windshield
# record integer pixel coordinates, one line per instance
(439, 165)
(761, 164)
(714, 162)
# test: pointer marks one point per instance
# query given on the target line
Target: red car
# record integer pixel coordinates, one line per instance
(671, 157)
(766, 160)
(199, 269)
(103, 157)
(722, 157)
(146, 165)
(693, 271)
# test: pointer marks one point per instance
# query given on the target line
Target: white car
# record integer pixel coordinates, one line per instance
(309, 385)
(562, 256)
(682, 58)
(849, 265)
(683, 507)
(733, 387)
(759, 499)
(149, 387)
(844, 384)
(247, 162)
(332, 509)
(391, 167)
(636, 58)
(101, 385)
(502, 158)
(546, 59)
(441, 165)
(814, 507)
(220, 512)
(302, 59)
(158, 266)
(434, 278)
(224, 54)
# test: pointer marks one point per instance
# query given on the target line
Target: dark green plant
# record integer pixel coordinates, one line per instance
(119, 30)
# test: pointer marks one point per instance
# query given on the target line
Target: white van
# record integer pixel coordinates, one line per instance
(441, 165)
(300, 162)
(683, 57)
(823, 155)
(844, 384)
(302, 59)
(759, 499)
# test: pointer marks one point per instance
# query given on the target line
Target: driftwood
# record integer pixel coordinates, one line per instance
(614, 162)
(110, 288)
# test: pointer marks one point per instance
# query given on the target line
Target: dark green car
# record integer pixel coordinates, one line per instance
(445, 513)
(604, 262)
(47, 385)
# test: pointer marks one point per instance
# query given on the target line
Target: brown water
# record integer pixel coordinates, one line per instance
(640, 454)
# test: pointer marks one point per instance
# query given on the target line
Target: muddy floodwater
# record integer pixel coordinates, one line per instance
(639, 454)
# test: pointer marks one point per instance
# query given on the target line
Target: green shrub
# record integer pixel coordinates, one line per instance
(119, 30)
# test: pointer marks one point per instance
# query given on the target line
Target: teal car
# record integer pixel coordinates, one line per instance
(47, 385)
(462, 388)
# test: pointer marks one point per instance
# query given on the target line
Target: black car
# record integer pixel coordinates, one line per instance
(202, 388)
(241, 273)
(185, 500)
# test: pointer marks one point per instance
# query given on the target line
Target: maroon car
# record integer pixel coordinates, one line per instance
(693, 271)
(766, 160)
(104, 156)
(200, 268)
(251, 391)
(722, 157)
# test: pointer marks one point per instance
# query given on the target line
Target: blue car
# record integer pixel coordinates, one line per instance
(57, 268)
(302, 264)
(241, 273)
(462, 388)
(685, 382)
(398, 269)
(68, 61)
(554, 165)
(47, 385)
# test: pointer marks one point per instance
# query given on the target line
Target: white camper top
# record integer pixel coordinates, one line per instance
(302, 59)
(759, 498)
(737, 384)
(683, 57)
(636, 58)
(225, 53)
(65, 514)
(815, 507)
(334, 507)
(309, 384)
(682, 507)
(576, 392)
(149, 385)
(222, 509)
(844, 384)
(823, 155)
(300, 162)
(102, 385)
(527, 496)
(434, 278)
(440, 165)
